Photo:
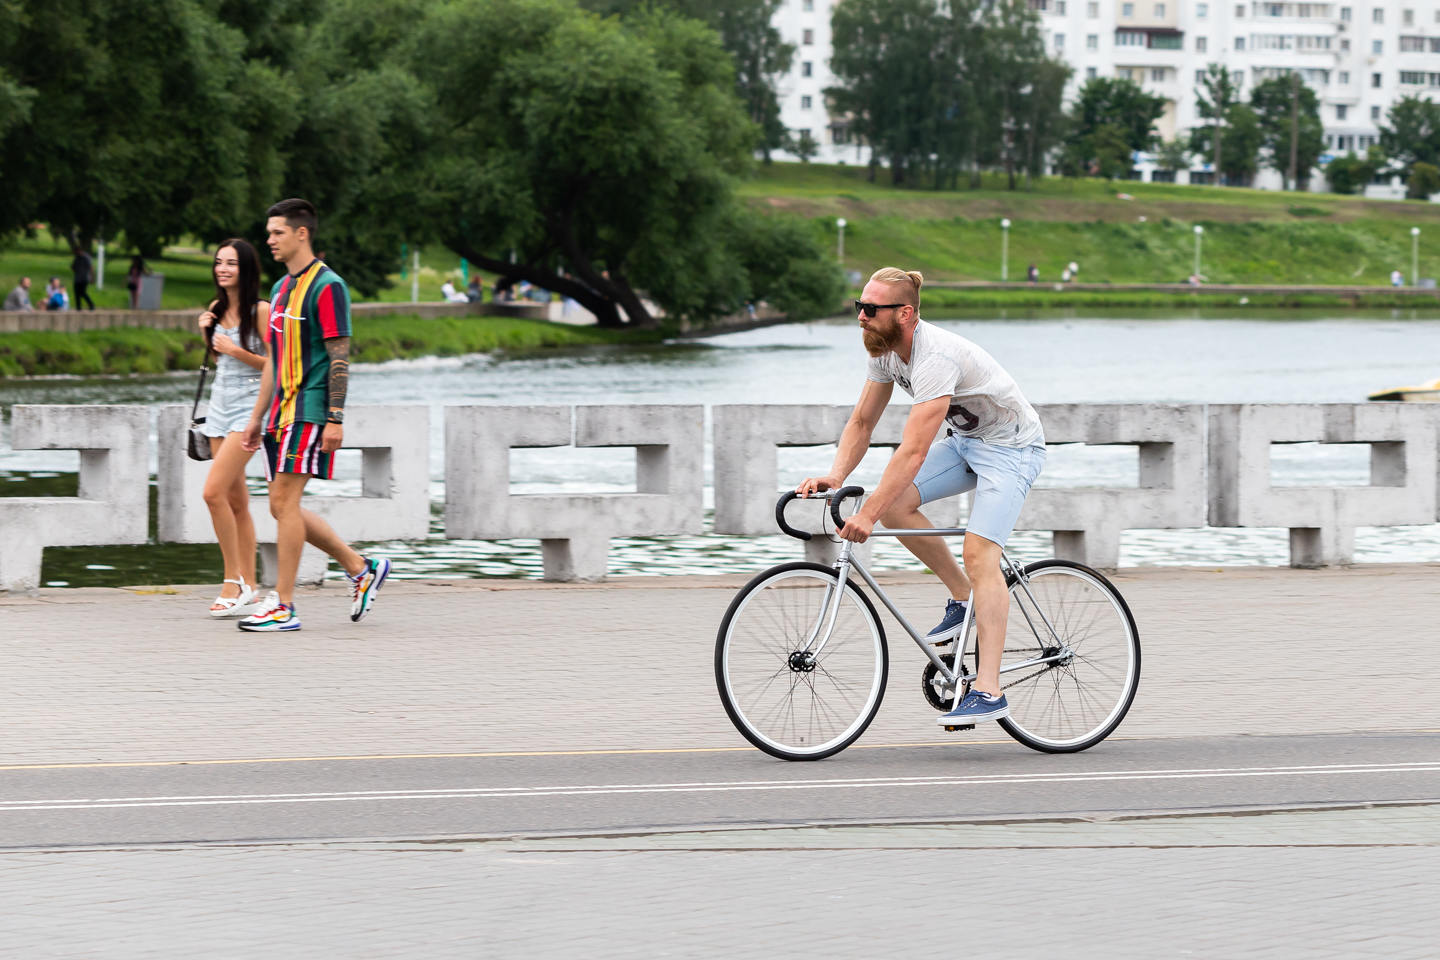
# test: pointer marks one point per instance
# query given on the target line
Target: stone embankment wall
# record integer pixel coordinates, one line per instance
(76, 321)
(1197, 465)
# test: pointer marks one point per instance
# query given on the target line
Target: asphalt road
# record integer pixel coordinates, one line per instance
(591, 793)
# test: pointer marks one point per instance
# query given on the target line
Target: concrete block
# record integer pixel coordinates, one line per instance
(574, 529)
(1322, 520)
(1170, 492)
(395, 487)
(113, 502)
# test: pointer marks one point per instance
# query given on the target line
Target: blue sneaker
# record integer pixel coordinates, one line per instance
(975, 708)
(949, 627)
(366, 585)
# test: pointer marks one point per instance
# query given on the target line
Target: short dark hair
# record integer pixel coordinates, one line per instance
(297, 213)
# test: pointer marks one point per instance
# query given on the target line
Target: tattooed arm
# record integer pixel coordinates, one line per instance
(339, 350)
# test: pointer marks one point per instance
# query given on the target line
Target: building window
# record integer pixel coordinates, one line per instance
(1377, 47)
(840, 133)
(807, 69)
(1412, 44)
(1059, 8)
(1408, 17)
(1239, 43)
(1092, 41)
(808, 6)
(1157, 74)
(808, 37)
(1344, 45)
(1239, 11)
(1090, 73)
(1129, 38)
(1237, 77)
(1059, 41)
(1199, 78)
(1375, 113)
(1127, 9)
(1202, 10)
(805, 103)
(1412, 78)
(1092, 9)
(1166, 41)
(1344, 78)
(1377, 15)
(1375, 80)
(1340, 111)
(1345, 14)
(1159, 11)
(1200, 44)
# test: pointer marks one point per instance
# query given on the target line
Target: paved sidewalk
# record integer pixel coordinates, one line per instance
(479, 666)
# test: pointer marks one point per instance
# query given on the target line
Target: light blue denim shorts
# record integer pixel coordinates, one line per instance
(232, 399)
(1000, 476)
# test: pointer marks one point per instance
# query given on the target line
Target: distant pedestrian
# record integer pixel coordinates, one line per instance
(133, 278)
(450, 294)
(57, 299)
(1074, 269)
(233, 327)
(19, 299)
(1033, 274)
(1065, 275)
(82, 272)
(299, 415)
(504, 290)
(474, 292)
(1397, 278)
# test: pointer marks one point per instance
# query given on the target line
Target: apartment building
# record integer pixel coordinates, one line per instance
(1357, 57)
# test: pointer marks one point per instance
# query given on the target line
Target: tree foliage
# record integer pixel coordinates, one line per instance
(1111, 119)
(1423, 182)
(1216, 96)
(1412, 133)
(1350, 174)
(1284, 105)
(1240, 138)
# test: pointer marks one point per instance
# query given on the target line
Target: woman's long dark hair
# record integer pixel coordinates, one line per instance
(247, 291)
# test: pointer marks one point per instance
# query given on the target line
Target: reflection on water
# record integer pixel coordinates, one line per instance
(1171, 356)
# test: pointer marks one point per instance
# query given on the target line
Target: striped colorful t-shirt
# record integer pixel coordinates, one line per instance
(306, 309)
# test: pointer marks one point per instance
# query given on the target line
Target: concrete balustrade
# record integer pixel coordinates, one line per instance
(113, 501)
(574, 530)
(1170, 493)
(394, 503)
(1195, 463)
(1322, 520)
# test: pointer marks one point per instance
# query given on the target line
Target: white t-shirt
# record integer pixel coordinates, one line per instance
(985, 401)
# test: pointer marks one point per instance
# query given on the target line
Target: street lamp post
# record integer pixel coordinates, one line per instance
(1005, 249)
(840, 239)
(1199, 232)
(1414, 256)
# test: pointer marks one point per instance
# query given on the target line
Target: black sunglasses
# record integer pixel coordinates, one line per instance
(869, 308)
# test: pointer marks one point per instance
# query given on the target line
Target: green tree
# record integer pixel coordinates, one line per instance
(1110, 119)
(746, 30)
(1173, 155)
(1285, 106)
(805, 147)
(1412, 134)
(1423, 182)
(593, 157)
(1349, 174)
(1216, 95)
(1017, 88)
(1240, 156)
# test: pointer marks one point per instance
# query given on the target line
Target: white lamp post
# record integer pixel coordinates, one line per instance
(415, 276)
(1004, 249)
(840, 239)
(1414, 256)
(1199, 232)
(100, 265)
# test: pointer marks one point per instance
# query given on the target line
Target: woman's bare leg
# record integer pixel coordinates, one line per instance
(227, 469)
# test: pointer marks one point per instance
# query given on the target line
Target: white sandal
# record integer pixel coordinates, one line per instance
(229, 606)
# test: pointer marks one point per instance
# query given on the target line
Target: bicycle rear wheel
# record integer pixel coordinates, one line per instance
(1078, 700)
(794, 703)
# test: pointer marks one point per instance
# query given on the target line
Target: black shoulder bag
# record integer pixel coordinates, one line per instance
(197, 445)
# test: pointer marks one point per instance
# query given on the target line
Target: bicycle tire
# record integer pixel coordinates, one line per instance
(1071, 705)
(809, 714)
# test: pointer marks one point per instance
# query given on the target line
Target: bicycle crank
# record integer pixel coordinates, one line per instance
(940, 693)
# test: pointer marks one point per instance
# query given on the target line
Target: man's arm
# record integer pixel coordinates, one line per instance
(855, 440)
(339, 384)
(921, 426)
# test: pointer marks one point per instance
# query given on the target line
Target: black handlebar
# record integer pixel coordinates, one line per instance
(834, 496)
(844, 493)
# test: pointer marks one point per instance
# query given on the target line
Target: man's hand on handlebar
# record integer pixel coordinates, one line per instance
(856, 530)
(816, 485)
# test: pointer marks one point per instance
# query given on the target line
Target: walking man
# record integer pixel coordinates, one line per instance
(302, 402)
(993, 444)
(82, 271)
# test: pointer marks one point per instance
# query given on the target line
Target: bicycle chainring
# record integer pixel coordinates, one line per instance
(932, 685)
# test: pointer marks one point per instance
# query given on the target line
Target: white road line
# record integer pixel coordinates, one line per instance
(740, 786)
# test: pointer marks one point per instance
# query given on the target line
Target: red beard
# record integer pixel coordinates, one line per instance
(880, 342)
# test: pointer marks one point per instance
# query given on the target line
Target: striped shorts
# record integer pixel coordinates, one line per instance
(296, 449)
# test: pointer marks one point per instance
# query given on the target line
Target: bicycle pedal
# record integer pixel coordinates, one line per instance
(968, 726)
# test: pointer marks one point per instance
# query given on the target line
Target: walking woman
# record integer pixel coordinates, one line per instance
(234, 325)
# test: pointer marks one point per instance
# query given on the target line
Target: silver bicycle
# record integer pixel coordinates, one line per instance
(801, 660)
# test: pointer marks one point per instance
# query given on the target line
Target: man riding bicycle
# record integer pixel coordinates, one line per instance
(993, 444)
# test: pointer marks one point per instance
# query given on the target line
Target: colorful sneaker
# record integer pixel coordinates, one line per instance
(975, 708)
(367, 584)
(271, 615)
(948, 628)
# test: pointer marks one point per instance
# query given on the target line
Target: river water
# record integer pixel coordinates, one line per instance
(1294, 356)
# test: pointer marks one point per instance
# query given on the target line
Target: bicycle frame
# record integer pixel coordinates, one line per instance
(825, 625)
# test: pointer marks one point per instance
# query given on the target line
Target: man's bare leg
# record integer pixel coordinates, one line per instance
(992, 609)
(934, 552)
(285, 492)
(320, 534)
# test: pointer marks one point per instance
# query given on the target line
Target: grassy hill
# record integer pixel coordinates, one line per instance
(1251, 236)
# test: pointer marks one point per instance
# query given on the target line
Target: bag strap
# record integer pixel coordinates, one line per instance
(200, 389)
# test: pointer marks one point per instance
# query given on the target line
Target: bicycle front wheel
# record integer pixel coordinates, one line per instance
(1077, 625)
(792, 689)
